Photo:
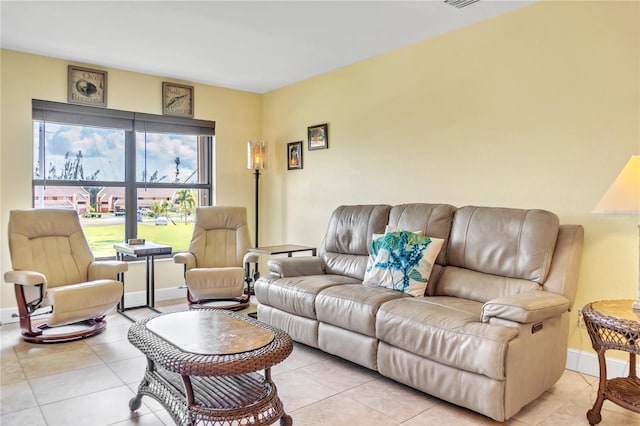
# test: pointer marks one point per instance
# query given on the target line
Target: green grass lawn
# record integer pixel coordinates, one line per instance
(103, 237)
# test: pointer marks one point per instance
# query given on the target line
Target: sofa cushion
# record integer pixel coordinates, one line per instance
(353, 306)
(402, 261)
(446, 330)
(296, 295)
(433, 220)
(473, 285)
(345, 248)
(512, 243)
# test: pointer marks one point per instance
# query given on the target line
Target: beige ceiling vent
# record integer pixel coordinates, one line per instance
(460, 3)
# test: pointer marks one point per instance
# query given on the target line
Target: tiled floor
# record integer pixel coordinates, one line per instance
(90, 382)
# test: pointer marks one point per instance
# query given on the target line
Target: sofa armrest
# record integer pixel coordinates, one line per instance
(25, 277)
(295, 266)
(526, 307)
(106, 269)
(188, 259)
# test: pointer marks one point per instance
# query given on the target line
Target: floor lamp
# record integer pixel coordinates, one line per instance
(256, 161)
(623, 197)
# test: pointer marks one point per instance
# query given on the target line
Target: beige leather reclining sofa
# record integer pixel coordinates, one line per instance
(490, 333)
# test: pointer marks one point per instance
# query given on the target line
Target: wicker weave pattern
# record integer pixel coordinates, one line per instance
(610, 332)
(609, 329)
(227, 389)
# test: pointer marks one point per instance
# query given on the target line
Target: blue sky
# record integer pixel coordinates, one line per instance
(103, 149)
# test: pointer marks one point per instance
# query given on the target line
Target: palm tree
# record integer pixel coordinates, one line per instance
(164, 207)
(156, 208)
(187, 201)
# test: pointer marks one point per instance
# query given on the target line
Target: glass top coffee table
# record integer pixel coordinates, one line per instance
(204, 367)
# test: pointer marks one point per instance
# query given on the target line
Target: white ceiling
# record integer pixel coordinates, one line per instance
(256, 46)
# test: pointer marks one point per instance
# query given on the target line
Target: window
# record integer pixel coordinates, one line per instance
(128, 175)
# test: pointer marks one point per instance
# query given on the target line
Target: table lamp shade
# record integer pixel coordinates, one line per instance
(256, 155)
(623, 196)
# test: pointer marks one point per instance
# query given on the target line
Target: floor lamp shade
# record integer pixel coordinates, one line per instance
(623, 198)
(256, 155)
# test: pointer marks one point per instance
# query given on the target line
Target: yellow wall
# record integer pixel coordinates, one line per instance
(25, 77)
(538, 108)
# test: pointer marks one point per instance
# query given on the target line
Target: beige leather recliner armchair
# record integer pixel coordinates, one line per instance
(53, 266)
(217, 265)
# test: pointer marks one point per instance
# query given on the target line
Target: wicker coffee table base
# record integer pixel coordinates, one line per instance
(211, 367)
(249, 399)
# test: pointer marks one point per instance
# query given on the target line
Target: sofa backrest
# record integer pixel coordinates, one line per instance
(495, 252)
(345, 249)
(434, 220)
(489, 252)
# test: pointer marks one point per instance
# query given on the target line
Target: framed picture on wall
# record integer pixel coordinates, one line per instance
(86, 86)
(318, 136)
(177, 100)
(294, 155)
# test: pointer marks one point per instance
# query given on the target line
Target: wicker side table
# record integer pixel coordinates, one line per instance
(612, 324)
(204, 367)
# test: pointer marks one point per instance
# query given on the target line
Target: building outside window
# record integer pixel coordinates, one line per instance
(128, 175)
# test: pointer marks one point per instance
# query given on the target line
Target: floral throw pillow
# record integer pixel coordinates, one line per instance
(402, 261)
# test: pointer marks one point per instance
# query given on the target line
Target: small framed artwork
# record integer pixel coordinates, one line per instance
(294, 155)
(318, 136)
(177, 100)
(86, 86)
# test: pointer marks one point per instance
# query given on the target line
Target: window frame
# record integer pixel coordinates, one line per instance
(131, 123)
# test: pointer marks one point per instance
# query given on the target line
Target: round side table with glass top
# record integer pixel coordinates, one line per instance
(613, 324)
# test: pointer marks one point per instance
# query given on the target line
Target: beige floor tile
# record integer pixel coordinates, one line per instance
(9, 336)
(340, 410)
(113, 333)
(99, 408)
(74, 383)
(16, 397)
(116, 351)
(165, 417)
(445, 414)
(392, 399)
(25, 350)
(572, 383)
(145, 420)
(279, 369)
(10, 370)
(60, 362)
(28, 417)
(539, 409)
(296, 390)
(339, 375)
(303, 355)
(130, 370)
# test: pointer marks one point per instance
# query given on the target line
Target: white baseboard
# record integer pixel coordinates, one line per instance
(134, 298)
(587, 363)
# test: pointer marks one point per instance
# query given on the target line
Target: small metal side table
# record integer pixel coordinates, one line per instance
(149, 251)
(613, 324)
(282, 249)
